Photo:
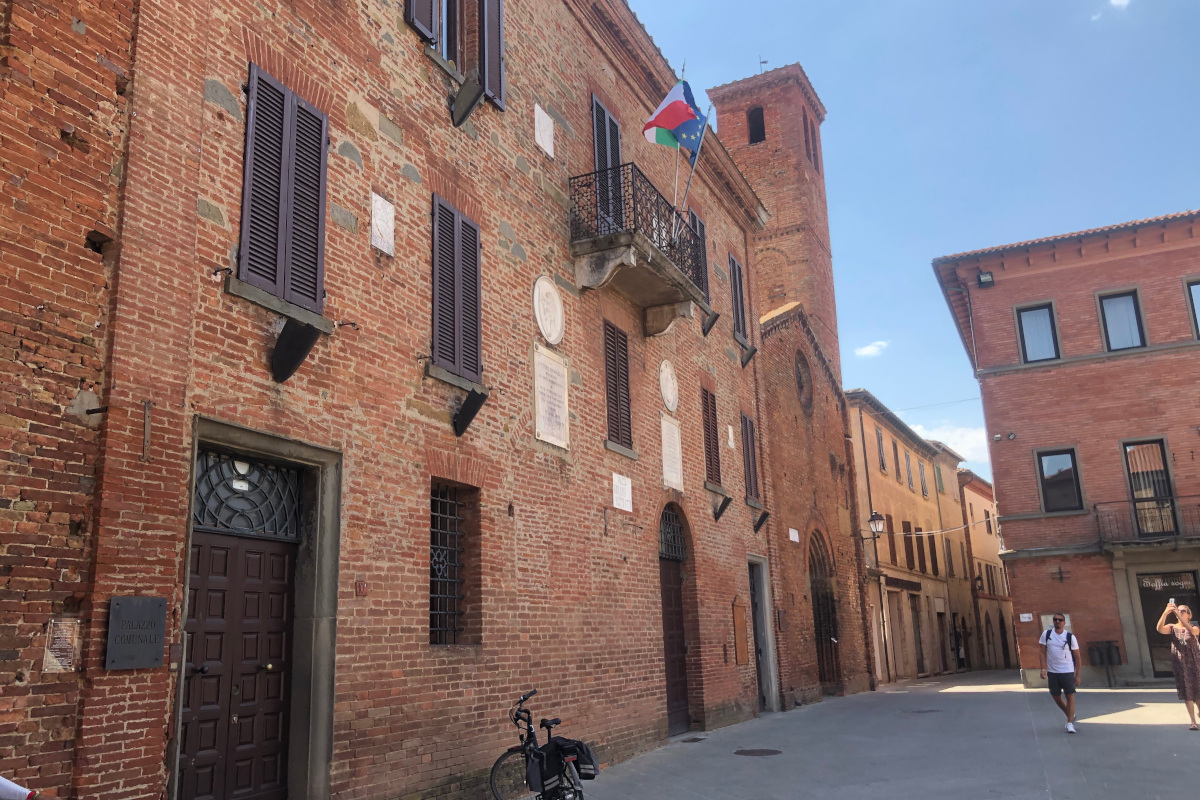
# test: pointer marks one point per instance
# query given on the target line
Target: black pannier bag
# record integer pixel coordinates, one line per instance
(585, 759)
(543, 772)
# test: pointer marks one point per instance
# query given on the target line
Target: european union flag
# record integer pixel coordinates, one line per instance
(690, 132)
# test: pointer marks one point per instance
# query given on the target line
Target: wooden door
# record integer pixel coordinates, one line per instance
(756, 620)
(237, 635)
(674, 647)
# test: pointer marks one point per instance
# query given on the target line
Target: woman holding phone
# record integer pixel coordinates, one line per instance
(1185, 655)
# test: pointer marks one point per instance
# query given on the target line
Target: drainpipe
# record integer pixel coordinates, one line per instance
(862, 432)
(937, 496)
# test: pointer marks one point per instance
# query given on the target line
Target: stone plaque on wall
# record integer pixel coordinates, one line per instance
(622, 492)
(62, 645)
(137, 627)
(672, 450)
(551, 423)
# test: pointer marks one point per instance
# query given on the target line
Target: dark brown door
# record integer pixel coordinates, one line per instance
(756, 617)
(674, 649)
(234, 732)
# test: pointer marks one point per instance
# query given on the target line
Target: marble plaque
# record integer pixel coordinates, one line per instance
(668, 385)
(672, 449)
(383, 225)
(62, 645)
(551, 423)
(548, 309)
(622, 492)
(543, 130)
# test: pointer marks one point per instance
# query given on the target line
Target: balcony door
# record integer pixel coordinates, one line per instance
(1150, 485)
(610, 206)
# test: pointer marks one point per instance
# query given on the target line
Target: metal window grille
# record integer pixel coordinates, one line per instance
(671, 543)
(246, 498)
(445, 564)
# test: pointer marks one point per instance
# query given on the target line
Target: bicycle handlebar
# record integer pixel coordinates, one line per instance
(527, 695)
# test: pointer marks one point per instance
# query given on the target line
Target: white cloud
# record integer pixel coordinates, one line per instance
(1097, 15)
(1118, 3)
(970, 443)
(871, 350)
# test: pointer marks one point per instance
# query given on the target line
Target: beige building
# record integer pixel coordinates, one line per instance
(914, 603)
(992, 646)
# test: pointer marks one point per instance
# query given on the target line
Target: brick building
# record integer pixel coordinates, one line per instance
(916, 570)
(329, 426)
(993, 645)
(1083, 346)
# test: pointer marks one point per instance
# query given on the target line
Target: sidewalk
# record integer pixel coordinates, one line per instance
(961, 737)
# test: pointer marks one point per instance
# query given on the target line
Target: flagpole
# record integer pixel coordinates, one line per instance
(675, 196)
(695, 161)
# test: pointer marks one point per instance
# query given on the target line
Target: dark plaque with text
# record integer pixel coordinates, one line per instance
(136, 630)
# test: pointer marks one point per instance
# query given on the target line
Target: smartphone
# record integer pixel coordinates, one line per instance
(1171, 602)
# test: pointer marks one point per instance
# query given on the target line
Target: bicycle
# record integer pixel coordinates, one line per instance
(510, 773)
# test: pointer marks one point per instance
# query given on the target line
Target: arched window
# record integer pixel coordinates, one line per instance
(756, 124)
(672, 543)
(824, 606)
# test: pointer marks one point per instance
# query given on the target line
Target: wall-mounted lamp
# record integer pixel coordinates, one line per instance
(875, 522)
(986, 280)
(979, 584)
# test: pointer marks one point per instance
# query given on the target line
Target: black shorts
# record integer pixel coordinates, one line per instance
(1060, 682)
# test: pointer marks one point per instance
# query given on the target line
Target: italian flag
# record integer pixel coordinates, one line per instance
(672, 112)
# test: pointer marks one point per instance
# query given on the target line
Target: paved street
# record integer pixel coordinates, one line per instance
(976, 736)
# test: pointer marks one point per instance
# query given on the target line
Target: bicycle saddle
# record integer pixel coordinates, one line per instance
(549, 723)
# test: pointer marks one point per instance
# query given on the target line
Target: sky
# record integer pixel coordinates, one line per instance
(955, 125)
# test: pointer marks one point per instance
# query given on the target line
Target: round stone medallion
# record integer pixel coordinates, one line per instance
(668, 385)
(548, 309)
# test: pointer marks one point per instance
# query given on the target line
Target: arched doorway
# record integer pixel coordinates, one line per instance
(824, 606)
(1004, 643)
(672, 551)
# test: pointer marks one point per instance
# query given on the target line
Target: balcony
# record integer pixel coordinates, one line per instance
(1149, 520)
(624, 235)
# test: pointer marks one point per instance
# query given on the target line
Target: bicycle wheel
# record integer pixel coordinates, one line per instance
(508, 777)
(572, 786)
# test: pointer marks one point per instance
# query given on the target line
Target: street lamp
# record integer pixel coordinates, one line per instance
(875, 522)
(979, 584)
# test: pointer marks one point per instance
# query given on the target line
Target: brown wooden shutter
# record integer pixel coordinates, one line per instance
(283, 194)
(933, 556)
(491, 55)
(712, 442)
(600, 135)
(739, 302)
(264, 190)
(422, 16)
(749, 457)
(741, 639)
(470, 307)
(616, 382)
(702, 246)
(445, 283)
(891, 538)
(305, 259)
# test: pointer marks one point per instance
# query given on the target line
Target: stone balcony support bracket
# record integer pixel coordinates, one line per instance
(660, 319)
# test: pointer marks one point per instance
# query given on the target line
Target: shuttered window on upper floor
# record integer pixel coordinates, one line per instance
(282, 247)
(750, 457)
(712, 441)
(737, 286)
(697, 225)
(457, 293)
(436, 21)
(616, 385)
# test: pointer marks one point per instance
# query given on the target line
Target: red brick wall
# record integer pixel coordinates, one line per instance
(795, 260)
(812, 484)
(569, 588)
(62, 129)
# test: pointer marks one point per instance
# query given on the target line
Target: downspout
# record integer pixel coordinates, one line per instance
(862, 432)
(937, 496)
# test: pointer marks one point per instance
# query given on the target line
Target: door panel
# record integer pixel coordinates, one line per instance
(234, 742)
(756, 618)
(674, 646)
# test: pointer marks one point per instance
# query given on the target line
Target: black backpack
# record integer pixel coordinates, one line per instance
(1046, 636)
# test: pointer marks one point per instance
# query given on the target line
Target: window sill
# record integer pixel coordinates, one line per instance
(620, 449)
(278, 305)
(436, 57)
(1044, 515)
(753, 503)
(445, 376)
(716, 488)
(741, 340)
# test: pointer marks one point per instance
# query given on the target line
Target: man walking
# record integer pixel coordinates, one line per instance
(1060, 658)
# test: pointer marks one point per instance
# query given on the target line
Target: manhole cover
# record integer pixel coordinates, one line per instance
(924, 711)
(692, 739)
(757, 752)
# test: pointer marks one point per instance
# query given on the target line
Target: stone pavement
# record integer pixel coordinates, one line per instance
(977, 735)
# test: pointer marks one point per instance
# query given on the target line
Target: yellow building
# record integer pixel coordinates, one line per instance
(917, 572)
(993, 646)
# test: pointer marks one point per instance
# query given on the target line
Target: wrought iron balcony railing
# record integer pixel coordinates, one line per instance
(622, 200)
(1149, 519)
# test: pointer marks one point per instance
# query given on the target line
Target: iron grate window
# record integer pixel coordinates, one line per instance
(246, 498)
(445, 564)
(671, 543)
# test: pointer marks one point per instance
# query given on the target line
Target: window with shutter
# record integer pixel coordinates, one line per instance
(739, 297)
(891, 538)
(282, 248)
(616, 384)
(750, 457)
(491, 50)
(933, 555)
(807, 140)
(816, 148)
(422, 15)
(712, 442)
(457, 300)
(697, 225)
(610, 204)
(920, 542)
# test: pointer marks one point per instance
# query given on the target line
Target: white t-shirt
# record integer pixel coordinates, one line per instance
(1058, 658)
